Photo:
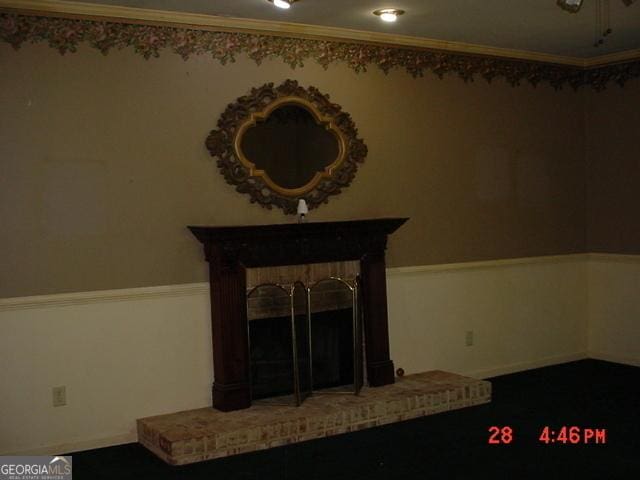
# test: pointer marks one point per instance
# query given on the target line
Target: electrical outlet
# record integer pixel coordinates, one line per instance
(59, 396)
(468, 338)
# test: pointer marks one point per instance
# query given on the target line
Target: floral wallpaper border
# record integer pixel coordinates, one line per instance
(65, 34)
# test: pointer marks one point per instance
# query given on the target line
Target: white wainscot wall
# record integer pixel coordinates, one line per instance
(614, 308)
(127, 354)
(121, 354)
(524, 313)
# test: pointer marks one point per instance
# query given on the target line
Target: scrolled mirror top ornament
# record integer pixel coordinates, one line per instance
(282, 144)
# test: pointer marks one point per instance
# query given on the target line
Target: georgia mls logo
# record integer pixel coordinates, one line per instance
(59, 466)
(35, 468)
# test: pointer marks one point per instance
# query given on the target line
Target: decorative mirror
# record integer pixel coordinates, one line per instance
(281, 144)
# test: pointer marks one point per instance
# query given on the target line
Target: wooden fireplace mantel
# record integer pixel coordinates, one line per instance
(231, 249)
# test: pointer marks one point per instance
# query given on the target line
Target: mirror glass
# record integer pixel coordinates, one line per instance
(290, 146)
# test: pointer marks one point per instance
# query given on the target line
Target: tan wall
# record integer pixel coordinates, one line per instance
(103, 165)
(613, 163)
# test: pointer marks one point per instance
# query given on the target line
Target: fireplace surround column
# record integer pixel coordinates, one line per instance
(231, 388)
(380, 369)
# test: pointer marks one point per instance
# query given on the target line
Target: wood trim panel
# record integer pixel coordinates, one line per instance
(143, 293)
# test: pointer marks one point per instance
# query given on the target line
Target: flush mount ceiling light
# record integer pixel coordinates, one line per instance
(574, 5)
(570, 5)
(388, 14)
(283, 3)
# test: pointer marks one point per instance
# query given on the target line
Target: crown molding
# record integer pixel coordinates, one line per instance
(64, 25)
(612, 58)
(194, 20)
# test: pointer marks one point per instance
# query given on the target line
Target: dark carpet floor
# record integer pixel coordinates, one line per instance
(452, 445)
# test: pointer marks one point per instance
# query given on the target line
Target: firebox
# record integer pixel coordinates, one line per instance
(304, 338)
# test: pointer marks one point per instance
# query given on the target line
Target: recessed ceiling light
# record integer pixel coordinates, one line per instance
(282, 3)
(388, 14)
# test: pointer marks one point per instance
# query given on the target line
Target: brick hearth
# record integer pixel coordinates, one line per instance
(204, 434)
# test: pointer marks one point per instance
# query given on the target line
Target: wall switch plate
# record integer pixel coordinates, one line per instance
(468, 338)
(59, 396)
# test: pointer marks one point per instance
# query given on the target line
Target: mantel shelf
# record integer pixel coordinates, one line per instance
(295, 243)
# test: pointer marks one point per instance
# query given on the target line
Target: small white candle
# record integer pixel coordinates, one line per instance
(302, 207)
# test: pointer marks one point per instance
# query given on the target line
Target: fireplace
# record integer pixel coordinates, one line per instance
(235, 254)
(305, 333)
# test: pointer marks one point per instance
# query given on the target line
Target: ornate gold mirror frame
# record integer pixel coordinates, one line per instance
(225, 144)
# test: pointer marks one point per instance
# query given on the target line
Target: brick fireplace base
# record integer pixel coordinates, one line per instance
(204, 434)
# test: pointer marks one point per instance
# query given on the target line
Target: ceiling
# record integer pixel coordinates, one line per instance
(529, 25)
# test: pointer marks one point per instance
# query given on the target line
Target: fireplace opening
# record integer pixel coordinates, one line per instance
(332, 348)
(271, 360)
(304, 339)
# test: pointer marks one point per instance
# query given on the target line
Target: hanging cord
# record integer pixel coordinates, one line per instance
(595, 25)
(598, 24)
(607, 19)
(602, 28)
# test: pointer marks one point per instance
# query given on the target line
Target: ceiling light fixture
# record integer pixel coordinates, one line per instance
(602, 28)
(284, 4)
(571, 6)
(388, 14)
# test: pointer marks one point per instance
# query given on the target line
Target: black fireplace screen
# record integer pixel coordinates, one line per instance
(305, 339)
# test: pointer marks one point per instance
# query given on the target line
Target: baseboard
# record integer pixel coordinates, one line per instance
(76, 446)
(522, 366)
(612, 357)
